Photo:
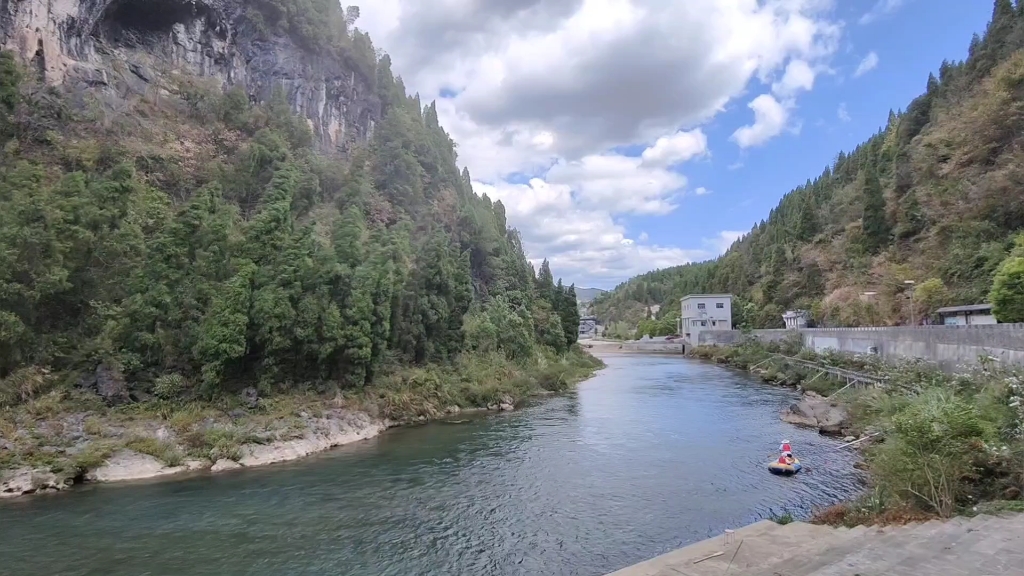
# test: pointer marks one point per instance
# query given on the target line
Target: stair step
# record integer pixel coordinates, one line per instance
(986, 545)
(808, 564)
(875, 558)
(684, 557)
(794, 549)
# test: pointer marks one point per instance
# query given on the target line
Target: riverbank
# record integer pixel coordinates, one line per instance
(70, 436)
(946, 444)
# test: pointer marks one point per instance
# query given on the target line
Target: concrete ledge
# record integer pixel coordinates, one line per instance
(948, 346)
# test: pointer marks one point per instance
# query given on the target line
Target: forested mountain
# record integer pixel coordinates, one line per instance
(588, 294)
(197, 239)
(935, 197)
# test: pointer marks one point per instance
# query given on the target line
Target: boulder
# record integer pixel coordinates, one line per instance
(28, 481)
(815, 411)
(251, 397)
(111, 386)
(224, 464)
(130, 465)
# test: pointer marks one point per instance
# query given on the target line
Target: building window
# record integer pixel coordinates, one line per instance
(703, 322)
(700, 306)
(719, 305)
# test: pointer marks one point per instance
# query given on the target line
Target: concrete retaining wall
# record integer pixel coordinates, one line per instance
(662, 346)
(948, 346)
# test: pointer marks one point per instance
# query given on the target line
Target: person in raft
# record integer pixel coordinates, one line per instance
(787, 453)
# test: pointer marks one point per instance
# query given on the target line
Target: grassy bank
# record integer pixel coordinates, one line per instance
(948, 444)
(48, 423)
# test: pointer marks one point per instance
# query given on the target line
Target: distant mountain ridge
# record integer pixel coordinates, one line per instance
(588, 294)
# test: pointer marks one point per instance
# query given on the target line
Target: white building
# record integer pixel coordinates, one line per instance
(702, 312)
(796, 318)
(966, 315)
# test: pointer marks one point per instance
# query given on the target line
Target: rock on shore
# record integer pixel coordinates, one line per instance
(130, 465)
(29, 481)
(334, 429)
(815, 411)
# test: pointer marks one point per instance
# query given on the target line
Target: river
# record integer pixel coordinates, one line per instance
(651, 454)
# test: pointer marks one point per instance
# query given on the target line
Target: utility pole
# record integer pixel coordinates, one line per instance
(912, 315)
(871, 301)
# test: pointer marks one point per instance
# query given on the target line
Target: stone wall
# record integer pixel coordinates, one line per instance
(948, 346)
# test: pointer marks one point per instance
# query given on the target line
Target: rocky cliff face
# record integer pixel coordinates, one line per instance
(117, 48)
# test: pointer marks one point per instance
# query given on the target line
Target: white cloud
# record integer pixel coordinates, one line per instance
(619, 184)
(643, 237)
(701, 191)
(842, 113)
(579, 243)
(679, 147)
(880, 9)
(549, 88)
(723, 241)
(798, 76)
(869, 63)
(770, 118)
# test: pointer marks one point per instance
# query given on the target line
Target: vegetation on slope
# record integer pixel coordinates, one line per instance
(933, 197)
(948, 444)
(196, 245)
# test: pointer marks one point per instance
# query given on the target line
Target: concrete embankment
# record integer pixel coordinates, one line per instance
(989, 545)
(947, 346)
(632, 346)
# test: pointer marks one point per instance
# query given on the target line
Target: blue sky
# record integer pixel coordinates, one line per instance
(628, 135)
(910, 42)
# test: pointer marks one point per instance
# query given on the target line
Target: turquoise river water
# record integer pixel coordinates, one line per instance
(651, 454)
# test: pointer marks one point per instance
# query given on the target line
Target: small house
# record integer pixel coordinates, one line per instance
(969, 315)
(796, 318)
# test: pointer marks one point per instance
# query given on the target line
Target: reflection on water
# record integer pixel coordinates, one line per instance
(653, 453)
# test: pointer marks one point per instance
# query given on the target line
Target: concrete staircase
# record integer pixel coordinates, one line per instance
(979, 546)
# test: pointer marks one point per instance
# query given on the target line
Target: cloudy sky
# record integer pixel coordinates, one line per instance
(629, 135)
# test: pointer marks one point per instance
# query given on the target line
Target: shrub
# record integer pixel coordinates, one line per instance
(162, 450)
(930, 450)
(169, 386)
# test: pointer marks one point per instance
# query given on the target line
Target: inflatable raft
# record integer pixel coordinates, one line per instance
(781, 469)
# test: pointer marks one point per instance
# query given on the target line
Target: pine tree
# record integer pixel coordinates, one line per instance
(807, 222)
(875, 222)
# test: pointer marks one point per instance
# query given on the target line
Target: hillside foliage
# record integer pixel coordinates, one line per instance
(199, 240)
(934, 198)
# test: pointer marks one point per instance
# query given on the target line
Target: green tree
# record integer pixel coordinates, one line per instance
(875, 221)
(1007, 294)
(931, 295)
(807, 225)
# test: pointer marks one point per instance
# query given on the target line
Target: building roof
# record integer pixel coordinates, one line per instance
(967, 308)
(706, 296)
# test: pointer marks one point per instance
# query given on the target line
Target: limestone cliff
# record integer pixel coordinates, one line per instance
(117, 48)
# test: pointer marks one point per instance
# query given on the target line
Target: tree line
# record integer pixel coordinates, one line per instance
(263, 262)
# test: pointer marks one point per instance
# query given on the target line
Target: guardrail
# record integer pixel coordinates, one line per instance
(851, 377)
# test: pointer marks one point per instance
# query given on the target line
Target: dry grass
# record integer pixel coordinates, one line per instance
(850, 515)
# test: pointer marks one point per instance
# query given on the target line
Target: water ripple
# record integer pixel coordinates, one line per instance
(652, 454)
